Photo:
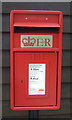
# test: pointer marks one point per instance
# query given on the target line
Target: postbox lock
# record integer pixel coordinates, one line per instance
(21, 81)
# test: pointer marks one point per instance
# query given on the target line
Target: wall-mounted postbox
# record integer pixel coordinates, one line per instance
(35, 59)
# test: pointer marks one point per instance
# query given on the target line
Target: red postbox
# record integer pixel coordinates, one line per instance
(35, 59)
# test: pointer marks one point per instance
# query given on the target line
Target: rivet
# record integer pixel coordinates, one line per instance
(26, 18)
(46, 18)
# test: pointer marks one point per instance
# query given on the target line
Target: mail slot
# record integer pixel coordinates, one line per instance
(35, 59)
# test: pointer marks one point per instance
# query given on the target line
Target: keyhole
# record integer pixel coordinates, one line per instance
(21, 81)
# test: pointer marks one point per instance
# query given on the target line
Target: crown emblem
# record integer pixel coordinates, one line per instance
(28, 41)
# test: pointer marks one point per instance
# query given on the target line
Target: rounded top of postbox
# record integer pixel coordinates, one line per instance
(35, 12)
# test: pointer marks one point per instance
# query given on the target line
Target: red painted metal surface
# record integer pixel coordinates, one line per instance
(35, 23)
(21, 78)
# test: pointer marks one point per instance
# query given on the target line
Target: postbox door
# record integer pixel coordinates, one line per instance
(22, 61)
